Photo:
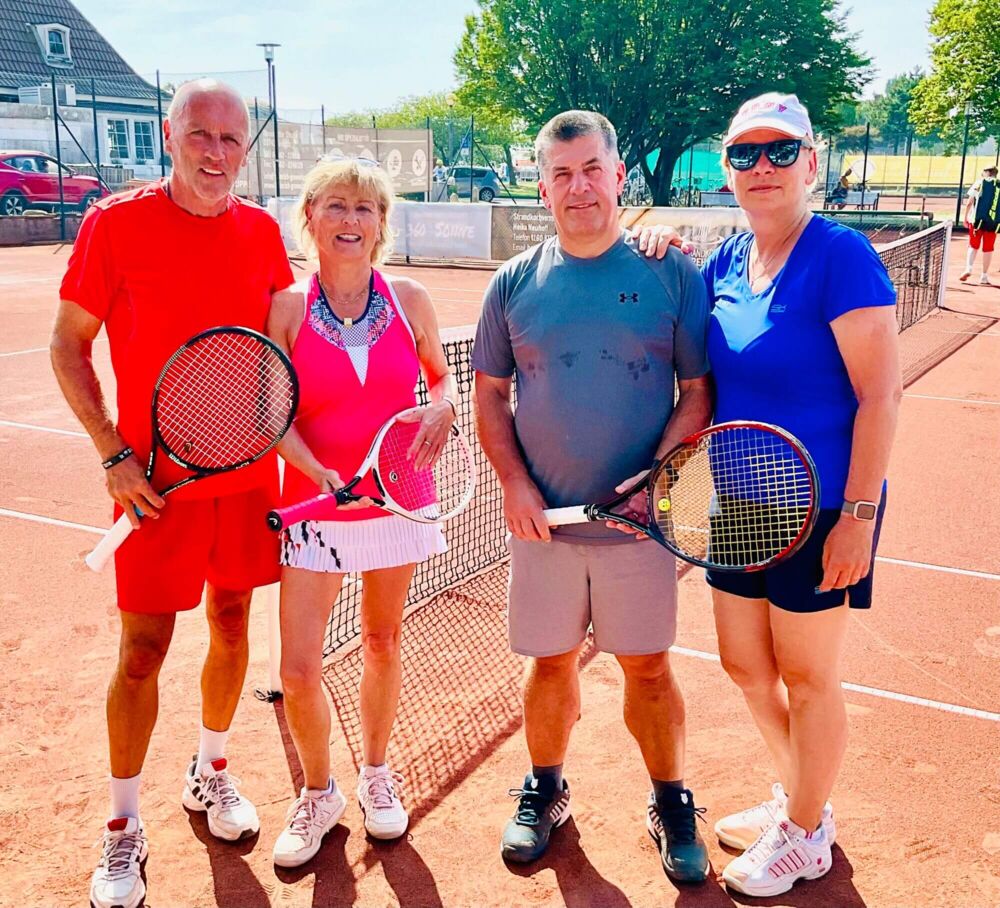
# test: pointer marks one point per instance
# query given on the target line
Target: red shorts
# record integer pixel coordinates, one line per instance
(987, 237)
(162, 567)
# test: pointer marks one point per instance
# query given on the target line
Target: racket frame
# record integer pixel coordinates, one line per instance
(122, 528)
(604, 510)
(345, 494)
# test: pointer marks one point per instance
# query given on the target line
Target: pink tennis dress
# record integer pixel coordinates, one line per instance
(352, 379)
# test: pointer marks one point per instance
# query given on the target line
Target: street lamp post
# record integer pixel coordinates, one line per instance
(272, 97)
(961, 173)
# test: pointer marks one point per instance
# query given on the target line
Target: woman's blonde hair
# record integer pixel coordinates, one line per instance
(364, 179)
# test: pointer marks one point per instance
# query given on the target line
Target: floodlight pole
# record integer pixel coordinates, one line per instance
(272, 96)
(961, 173)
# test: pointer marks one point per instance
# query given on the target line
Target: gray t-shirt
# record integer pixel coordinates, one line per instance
(594, 345)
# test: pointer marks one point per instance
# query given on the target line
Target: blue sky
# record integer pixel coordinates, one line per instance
(360, 56)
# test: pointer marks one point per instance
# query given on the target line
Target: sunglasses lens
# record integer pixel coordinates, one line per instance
(784, 154)
(743, 156)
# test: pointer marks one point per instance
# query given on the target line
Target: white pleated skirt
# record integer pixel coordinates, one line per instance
(349, 546)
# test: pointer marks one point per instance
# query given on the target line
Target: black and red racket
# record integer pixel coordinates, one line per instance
(222, 401)
(737, 496)
(429, 495)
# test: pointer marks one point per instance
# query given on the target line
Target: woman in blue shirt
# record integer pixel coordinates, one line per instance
(802, 335)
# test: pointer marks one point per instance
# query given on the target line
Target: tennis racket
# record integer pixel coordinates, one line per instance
(430, 495)
(222, 401)
(737, 496)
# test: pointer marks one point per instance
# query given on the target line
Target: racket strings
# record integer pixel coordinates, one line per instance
(435, 492)
(740, 498)
(225, 400)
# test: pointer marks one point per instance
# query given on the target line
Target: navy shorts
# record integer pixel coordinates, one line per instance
(791, 585)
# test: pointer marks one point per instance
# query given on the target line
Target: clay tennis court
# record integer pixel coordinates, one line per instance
(917, 802)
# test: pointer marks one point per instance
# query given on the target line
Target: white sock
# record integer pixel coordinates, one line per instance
(125, 796)
(370, 771)
(211, 745)
(987, 257)
(322, 792)
(970, 257)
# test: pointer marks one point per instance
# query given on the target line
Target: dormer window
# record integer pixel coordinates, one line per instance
(53, 39)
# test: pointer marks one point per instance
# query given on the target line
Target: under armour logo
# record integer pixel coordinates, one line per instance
(628, 297)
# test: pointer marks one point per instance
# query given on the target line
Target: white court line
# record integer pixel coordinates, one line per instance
(24, 425)
(873, 691)
(52, 521)
(983, 575)
(958, 400)
(97, 340)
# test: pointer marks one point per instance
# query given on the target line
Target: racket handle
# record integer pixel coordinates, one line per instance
(103, 551)
(560, 517)
(279, 518)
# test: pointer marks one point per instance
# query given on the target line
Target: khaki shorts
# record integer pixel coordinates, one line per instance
(627, 591)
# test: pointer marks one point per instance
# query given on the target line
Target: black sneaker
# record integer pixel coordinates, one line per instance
(674, 829)
(540, 809)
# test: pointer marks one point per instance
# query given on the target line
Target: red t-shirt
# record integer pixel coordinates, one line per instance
(157, 275)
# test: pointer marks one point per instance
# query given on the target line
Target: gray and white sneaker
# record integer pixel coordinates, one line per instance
(117, 882)
(213, 792)
(541, 807)
(385, 816)
(742, 829)
(309, 819)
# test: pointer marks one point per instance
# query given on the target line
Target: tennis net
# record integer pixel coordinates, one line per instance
(917, 266)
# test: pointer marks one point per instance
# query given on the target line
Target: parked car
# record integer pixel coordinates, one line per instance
(30, 179)
(485, 185)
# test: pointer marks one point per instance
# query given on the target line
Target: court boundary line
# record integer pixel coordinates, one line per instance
(52, 521)
(10, 424)
(958, 400)
(927, 566)
(881, 693)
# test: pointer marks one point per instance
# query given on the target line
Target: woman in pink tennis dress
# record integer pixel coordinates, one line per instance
(358, 341)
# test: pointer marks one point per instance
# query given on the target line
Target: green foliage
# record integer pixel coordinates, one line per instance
(965, 72)
(667, 73)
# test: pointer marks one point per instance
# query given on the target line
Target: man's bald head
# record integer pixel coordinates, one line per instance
(198, 88)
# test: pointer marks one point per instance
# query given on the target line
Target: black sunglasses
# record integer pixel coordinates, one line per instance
(781, 153)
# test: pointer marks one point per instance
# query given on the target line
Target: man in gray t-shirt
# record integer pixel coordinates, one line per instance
(596, 335)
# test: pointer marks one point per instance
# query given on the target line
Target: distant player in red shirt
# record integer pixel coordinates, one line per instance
(156, 266)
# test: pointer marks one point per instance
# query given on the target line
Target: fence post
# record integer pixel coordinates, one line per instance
(322, 118)
(62, 197)
(430, 160)
(961, 173)
(864, 165)
(691, 179)
(97, 144)
(256, 146)
(375, 127)
(274, 113)
(159, 116)
(909, 154)
(829, 164)
(472, 154)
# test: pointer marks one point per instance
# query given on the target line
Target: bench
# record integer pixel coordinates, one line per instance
(856, 199)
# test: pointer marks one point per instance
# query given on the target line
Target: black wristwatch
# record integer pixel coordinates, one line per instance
(860, 510)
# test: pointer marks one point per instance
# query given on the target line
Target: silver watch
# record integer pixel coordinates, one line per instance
(860, 510)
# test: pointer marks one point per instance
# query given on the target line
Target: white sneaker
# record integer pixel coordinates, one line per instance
(772, 864)
(985, 279)
(213, 791)
(742, 829)
(117, 881)
(385, 816)
(308, 820)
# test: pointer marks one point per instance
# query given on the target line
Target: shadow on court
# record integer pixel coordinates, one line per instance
(235, 884)
(461, 691)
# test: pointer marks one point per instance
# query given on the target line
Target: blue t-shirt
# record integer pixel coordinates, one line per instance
(774, 355)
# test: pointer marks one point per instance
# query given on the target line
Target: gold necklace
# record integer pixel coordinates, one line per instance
(345, 302)
(763, 266)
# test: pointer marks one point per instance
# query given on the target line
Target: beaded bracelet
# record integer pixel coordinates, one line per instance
(118, 458)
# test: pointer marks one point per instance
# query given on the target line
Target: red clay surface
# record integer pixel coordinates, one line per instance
(918, 801)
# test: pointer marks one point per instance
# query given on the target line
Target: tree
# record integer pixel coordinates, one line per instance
(667, 73)
(449, 118)
(889, 113)
(965, 70)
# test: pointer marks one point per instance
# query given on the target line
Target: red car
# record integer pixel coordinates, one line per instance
(30, 179)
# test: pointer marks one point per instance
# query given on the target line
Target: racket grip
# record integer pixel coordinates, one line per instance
(279, 518)
(559, 517)
(103, 551)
